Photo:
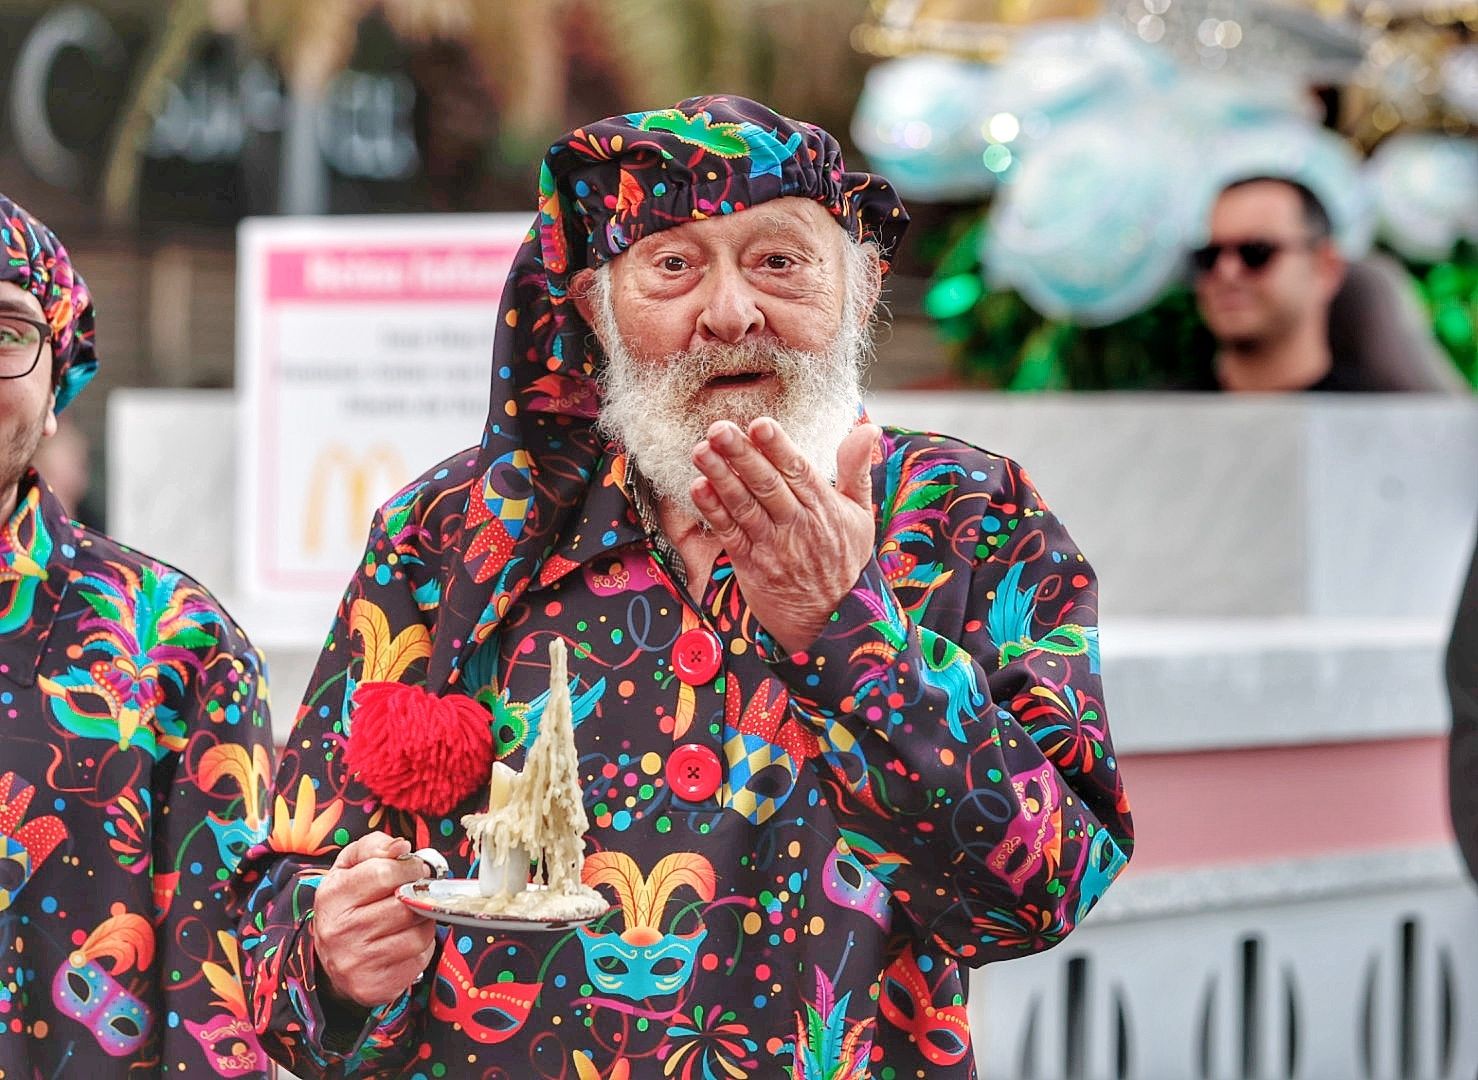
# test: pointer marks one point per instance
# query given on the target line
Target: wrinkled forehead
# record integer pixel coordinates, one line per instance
(801, 219)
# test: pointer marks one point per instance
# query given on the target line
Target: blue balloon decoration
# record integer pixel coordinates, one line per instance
(1061, 70)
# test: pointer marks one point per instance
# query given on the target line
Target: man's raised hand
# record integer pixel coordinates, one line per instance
(797, 543)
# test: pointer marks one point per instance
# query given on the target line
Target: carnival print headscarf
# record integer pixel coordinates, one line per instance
(35, 260)
(603, 187)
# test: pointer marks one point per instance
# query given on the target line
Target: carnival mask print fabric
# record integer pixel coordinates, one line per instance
(124, 689)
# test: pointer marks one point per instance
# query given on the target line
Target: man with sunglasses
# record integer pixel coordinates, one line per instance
(134, 749)
(1264, 284)
(1289, 314)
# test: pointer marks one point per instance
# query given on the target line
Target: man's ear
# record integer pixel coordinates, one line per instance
(1332, 268)
(48, 426)
(580, 286)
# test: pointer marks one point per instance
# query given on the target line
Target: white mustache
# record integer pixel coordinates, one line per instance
(720, 360)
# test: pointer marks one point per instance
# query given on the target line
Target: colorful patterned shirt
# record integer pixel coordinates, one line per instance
(134, 771)
(801, 851)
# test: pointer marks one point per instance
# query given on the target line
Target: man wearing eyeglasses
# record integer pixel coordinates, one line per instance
(134, 749)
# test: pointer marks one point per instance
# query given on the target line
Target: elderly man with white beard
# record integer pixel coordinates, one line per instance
(836, 695)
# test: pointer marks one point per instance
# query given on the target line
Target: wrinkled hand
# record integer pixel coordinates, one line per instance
(369, 944)
(797, 544)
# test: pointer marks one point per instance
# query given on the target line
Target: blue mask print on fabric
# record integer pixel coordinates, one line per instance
(650, 968)
(85, 992)
(1105, 860)
(234, 837)
(642, 961)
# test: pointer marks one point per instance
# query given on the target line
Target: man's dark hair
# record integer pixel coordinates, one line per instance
(1316, 218)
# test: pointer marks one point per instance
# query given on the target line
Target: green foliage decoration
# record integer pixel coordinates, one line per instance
(998, 340)
(1450, 292)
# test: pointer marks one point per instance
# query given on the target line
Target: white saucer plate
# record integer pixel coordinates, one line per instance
(428, 898)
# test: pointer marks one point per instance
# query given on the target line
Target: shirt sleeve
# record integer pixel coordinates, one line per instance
(317, 810)
(209, 809)
(965, 742)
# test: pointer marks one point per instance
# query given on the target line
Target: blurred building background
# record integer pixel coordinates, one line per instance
(1279, 574)
(145, 130)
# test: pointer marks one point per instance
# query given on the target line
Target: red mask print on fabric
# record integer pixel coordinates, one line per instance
(489, 1014)
(940, 1029)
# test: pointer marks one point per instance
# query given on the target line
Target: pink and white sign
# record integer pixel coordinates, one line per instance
(439, 274)
(363, 358)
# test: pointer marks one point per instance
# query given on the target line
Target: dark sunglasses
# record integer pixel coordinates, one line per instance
(1254, 254)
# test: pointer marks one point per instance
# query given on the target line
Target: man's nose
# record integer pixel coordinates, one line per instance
(1228, 265)
(730, 311)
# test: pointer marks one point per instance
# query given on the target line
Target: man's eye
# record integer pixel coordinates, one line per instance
(778, 262)
(673, 264)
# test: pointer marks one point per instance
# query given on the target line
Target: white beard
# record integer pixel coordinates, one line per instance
(657, 410)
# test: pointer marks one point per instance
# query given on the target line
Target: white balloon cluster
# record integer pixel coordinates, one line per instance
(1426, 193)
(918, 123)
(1460, 81)
(1104, 157)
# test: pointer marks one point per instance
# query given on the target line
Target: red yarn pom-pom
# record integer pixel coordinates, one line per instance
(417, 751)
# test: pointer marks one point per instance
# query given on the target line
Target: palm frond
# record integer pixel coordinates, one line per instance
(183, 25)
(311, 42)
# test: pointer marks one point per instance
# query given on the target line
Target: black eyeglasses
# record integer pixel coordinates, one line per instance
(1255, 255)
(21, 341)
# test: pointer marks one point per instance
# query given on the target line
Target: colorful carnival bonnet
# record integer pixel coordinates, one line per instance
(602, 188)
(36, 261)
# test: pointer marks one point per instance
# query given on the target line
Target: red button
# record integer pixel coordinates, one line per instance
(693, 772)
(697, 655)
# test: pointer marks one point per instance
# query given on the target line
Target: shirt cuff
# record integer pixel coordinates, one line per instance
(340, 1038)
